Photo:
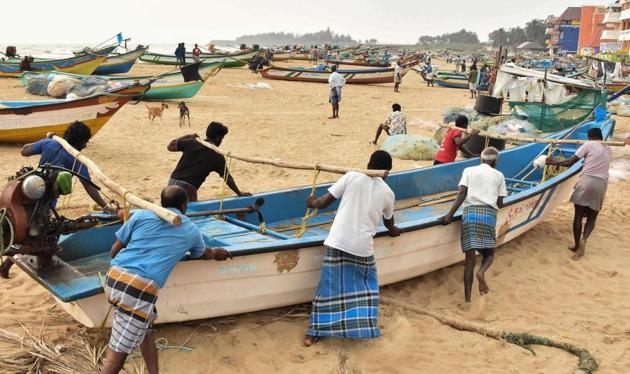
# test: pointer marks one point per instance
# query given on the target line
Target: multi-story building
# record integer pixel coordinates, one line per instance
(565, 32)
(624, 17)
(591, 29)
(609, 42)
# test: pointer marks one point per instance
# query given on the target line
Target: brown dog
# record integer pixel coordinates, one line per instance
(155, 112)
(183, 114)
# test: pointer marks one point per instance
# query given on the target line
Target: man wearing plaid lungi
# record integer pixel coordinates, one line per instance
(346, 301)
(146, 250)
(481, 190)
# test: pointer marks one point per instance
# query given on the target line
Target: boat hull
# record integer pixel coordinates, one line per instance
(85, 67)
(365, 76)
(119, 64)
(257, 282)
(231, 61)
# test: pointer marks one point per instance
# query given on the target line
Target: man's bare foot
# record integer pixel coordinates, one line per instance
(574, 248)
(373, 142)
(465, 306)
(310, 340)
(581, 250)
(483, 286)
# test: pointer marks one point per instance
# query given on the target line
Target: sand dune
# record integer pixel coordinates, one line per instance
(536, 288)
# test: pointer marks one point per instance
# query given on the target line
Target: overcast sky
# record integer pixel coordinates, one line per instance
(158, 21)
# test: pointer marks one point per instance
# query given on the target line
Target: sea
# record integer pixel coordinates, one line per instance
(55, 51)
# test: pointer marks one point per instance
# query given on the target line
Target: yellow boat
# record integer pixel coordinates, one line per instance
(83, 66)
(29, 121)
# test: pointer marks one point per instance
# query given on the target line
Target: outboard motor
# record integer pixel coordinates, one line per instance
(29, 223)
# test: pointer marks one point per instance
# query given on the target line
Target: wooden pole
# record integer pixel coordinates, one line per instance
(295, 165)
(528, 139)
(134, 200)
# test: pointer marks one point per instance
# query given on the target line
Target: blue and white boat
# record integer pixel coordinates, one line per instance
(274, 269)
(120, 63)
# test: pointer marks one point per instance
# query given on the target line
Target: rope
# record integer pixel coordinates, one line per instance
(487, 142)
(551, 171)
(262, 228)
(225, 178)
(309, 213)
(126, 207)
(162, 344)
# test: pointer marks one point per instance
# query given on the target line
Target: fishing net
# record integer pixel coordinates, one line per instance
(552, 118)
(410, 147)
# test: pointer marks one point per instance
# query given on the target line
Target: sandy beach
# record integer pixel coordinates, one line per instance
(536, 287)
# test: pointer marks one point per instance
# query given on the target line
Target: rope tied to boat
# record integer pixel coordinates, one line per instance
(226, 169)
(551, 171)
(309, 213)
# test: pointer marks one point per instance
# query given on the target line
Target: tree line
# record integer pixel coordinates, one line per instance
(460, 37)
(282, 38)
(534, 31)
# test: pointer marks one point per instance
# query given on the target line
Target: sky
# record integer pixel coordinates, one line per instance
(158, 21)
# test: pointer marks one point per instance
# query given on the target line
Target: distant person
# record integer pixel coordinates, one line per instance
(481, 190)
(453, 141)
(336, 82)
(78, 135)
(346, 301)
(198, 161)
(397, 76)
(463, 65)
(196, 52)
(395, 124)
(472, 80)
(179, 55)
(146, 251)
(590, 191)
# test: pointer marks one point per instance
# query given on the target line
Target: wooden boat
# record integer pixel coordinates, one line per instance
(283, 56)
(168, 86)
(77, 65)
(275, 269)
(120, 63)
(232, 60)
(356, 76)
(451, 80)
(359, 62)
(28, 121)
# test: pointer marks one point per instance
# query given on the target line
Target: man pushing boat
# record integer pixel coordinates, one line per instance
(590, 191)
(146, 251)
(198, 161)
(346, 301)
(481, 190)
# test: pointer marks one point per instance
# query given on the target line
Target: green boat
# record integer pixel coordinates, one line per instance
(231, 61)
(167, 86)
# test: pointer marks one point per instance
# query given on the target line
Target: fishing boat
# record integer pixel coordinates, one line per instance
(355, 76)
(120, 63)
(28, 121)
(283, 56)
(451, 80)
(273, 268)
(86, 65)
(167, 86)
(231, 60)
(359, 62)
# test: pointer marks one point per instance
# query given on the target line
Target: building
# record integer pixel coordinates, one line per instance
(591, 28)
(609, 42)
(565, 32)
(624, 17)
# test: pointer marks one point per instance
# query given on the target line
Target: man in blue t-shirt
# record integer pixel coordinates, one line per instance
(78, 135)
(146, 251)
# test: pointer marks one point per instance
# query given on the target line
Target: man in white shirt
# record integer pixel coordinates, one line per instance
(397, 76)
(481, 190)
(346, 301)
(336, 82)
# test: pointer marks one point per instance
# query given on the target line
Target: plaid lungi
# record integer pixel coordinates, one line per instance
(346, 301)
(191, 190)
(335, 95)
(479, 227)
(133, 298)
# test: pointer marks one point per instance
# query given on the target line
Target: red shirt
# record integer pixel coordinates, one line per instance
(448, 150)
(196, 52)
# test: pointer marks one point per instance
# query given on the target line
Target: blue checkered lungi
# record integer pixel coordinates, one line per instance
(479, 224)
(335, 95)
(346, 301)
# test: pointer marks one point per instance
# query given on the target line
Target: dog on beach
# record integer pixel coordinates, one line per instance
(184, 113)
(155, 112)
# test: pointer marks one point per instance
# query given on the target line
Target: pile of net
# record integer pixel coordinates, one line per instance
(620, 106)
(506, 125)
(69, 87)
(410, 147)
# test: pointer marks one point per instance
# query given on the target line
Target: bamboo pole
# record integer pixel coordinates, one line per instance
(161, 212)
(295, 165)
(529, 139)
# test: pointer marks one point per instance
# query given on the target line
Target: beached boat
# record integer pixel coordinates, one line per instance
(359, 62)
(167, 86)
(274, 269)
(78, 65)
(28, 121)
(355, 76)
(234, 60)
(120, 63)
(451, 80)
